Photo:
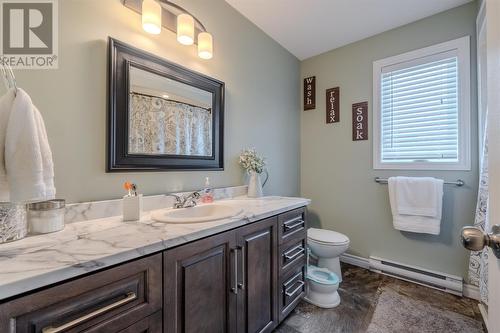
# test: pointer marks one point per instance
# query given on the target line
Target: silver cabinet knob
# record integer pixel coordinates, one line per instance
(475, 239)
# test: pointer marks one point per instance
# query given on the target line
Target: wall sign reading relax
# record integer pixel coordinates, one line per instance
(332, 105)
(360, 121)
(310, 93)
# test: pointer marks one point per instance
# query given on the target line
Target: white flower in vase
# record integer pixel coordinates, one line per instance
(254, 166)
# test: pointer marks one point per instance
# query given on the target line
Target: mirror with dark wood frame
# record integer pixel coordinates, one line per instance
(161, 116)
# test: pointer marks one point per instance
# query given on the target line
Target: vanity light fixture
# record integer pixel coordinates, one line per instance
(185, 29)
(205, 45)
(189, 30)
(151, 17)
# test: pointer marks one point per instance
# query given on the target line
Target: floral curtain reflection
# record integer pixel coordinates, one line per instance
(163, 126)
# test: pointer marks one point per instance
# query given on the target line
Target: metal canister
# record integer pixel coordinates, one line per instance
(46, 216)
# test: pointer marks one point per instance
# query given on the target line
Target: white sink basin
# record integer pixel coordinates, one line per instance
(197, 214)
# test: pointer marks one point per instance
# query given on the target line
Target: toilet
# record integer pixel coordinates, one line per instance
(327, 246)
(322, 285)
(323, 280)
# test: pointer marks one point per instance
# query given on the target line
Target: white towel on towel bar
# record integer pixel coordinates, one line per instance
(28, 157)
(418, 195)
(416, 204)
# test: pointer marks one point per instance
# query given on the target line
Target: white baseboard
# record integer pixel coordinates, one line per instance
(484, 314)
(355, 260)
(471, 291)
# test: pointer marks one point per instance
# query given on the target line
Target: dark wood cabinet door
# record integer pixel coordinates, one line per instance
(198, 282)
(257, 246)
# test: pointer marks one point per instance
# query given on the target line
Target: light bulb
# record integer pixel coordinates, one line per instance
(185, 29)
(205, 45)
(151, 16)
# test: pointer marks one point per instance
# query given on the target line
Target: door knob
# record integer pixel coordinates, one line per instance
(475, 239)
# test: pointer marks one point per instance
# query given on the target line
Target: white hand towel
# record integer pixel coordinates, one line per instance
(418, 195)
(47, 163)
(28, 158)
(416, 223)
(5, 108)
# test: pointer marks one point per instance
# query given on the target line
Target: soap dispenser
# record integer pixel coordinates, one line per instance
(207, 195)
(132, 203)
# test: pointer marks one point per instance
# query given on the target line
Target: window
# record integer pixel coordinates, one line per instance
(422, 109)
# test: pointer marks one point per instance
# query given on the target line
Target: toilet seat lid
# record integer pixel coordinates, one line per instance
(326, 236)
(321, 275)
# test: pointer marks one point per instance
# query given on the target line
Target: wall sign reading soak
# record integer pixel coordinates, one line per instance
(310, 93)
(333, 105)
(360, 121)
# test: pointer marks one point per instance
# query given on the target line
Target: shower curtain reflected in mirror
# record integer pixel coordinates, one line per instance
(160, 126)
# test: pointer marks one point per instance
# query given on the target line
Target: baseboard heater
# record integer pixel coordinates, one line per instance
(441, 281)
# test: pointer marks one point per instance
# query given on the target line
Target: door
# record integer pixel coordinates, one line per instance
(489, 96)
(493, 100)
(200, 286)
(257, 246)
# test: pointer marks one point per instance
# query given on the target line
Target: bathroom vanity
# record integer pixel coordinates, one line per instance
(243, 274)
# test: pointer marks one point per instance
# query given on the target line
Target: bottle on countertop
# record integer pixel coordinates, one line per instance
(207, 195)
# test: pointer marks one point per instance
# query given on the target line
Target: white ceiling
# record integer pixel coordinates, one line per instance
(309, 27)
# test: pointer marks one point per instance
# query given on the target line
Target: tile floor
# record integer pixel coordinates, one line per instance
(376, 303)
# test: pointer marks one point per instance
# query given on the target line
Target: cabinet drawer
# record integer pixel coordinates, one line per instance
(151, 324)
(292, 224)
(293, 287)
(107, 301)
(292, 253)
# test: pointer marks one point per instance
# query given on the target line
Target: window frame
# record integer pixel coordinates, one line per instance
(461, 47)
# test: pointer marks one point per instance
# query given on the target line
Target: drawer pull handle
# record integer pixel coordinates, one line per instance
(289, 256)
(242, 284)
(234, 289)
(131, 296)
(291, 225)
(293, 292)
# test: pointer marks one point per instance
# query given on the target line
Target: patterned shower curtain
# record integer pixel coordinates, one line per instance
(161, 126)
(478, 264)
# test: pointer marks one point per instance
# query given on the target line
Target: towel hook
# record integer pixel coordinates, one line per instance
(13, 78)
(9, 77)
(5, 77)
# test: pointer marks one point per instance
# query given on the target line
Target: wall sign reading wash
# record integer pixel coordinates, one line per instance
(310, 93)
(333, 105)
(360, 121)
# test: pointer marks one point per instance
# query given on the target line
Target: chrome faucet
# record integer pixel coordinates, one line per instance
(185, 201)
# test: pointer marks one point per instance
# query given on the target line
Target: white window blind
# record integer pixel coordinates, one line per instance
(421, 108)
(419, 112)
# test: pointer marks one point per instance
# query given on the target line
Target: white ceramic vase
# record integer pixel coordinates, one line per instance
(255, 184)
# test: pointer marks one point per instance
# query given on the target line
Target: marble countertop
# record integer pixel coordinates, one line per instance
(86, 246)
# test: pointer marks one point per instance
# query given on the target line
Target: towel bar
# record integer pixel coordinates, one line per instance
(459, 182)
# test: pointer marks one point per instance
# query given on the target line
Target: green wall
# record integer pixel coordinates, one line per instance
(262, 111)
(337, 174)
(262, 106)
